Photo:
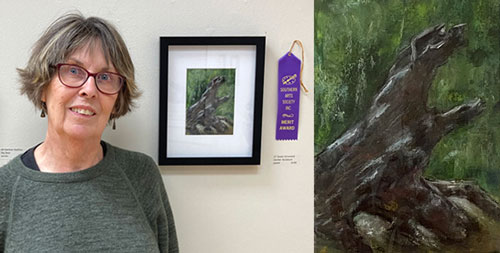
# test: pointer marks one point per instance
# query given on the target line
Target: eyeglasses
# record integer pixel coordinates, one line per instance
(74, 76)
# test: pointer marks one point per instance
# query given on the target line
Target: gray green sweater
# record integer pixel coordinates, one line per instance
(118, 205)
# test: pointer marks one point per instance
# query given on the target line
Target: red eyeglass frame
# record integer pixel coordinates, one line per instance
(89, 74)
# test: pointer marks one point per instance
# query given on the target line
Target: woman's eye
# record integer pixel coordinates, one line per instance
(74, 71)
(104, 77)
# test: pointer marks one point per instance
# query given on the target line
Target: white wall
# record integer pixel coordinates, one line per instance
(266, 208)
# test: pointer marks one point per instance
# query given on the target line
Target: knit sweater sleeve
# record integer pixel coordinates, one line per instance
(167, 236)
(4, 207)
(148, 185)
(7, 180)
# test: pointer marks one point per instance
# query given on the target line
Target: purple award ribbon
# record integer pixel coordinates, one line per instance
(287, 124)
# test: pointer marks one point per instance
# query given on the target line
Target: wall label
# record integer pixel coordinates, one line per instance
(285, 160)
(7, 154)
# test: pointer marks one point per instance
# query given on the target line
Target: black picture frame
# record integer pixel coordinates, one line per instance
(175, 56)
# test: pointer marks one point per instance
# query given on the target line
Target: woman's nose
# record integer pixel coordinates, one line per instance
(89, 88)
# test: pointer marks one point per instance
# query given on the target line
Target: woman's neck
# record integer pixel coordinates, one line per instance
(60, 155)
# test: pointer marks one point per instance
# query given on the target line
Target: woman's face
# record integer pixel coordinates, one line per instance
(82, 112)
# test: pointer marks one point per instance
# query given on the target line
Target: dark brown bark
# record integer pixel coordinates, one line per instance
(375, 168)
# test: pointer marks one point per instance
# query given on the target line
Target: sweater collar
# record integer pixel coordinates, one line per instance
(78, 176)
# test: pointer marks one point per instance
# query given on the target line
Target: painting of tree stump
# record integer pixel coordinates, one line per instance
(201, 115)
(369, 188)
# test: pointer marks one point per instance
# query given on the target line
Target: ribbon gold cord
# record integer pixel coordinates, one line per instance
(301, 64)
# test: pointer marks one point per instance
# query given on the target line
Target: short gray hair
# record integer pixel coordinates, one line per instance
(63, 37)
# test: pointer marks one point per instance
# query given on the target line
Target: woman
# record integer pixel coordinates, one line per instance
(74, 192)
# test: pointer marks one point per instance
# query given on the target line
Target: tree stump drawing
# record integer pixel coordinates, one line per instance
(201, 118)
(369, 188)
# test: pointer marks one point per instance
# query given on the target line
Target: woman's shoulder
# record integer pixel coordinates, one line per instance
(136, 165)
(8, 171)
(8, 175)
(129, 156)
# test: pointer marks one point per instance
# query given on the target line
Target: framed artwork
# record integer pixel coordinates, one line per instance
(211, 92)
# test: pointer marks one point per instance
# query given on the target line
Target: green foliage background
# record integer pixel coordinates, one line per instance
(198, 81)
(356, 42)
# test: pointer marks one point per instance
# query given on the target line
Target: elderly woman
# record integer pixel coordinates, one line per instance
(75, 192)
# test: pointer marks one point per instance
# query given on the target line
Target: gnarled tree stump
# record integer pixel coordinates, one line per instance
(372, 175)
(201, 118)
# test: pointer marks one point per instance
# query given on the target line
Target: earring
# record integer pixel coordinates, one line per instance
(112, 117)
(44, 106)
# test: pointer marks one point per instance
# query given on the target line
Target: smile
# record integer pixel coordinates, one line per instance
(83, 111)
